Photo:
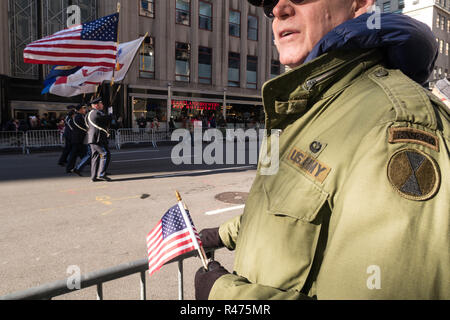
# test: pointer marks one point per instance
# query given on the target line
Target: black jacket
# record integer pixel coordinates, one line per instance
(99, 124)
(68, 127)
(79, 129)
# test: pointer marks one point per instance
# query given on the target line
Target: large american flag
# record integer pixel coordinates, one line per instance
(169, 239)
(90, 44)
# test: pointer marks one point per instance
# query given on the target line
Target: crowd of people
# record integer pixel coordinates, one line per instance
(36, 122)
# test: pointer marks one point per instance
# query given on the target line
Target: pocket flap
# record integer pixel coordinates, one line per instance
(296, 197)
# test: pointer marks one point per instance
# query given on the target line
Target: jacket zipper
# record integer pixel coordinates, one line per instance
(311, 83)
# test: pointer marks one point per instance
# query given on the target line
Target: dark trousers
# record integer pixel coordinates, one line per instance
(86, 160)
(66, 152)
(77, 150)
(101, 158)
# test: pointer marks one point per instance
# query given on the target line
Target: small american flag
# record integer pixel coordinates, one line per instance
(90, 44)
(170, 238)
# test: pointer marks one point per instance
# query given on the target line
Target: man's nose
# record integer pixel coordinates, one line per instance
(283, 9)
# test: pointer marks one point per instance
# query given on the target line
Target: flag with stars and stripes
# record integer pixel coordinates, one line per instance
(170, 238)
(92, 44)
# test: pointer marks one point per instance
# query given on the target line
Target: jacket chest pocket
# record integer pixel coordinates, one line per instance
(294, 211)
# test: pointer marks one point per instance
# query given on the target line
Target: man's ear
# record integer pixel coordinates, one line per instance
(361, 6)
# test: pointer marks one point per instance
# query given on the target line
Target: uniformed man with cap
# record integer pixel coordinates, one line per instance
(99, 123)
(78, 135)
(359, 206)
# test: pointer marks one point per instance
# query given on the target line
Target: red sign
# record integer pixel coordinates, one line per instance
(195, 105)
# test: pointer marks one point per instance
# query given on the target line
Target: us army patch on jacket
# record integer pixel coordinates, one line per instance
(309, 165)
(411, 135)
(414, 174)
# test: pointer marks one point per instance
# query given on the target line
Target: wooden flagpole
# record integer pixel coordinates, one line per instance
(200, 249)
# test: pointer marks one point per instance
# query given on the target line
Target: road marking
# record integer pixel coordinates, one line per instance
(203, 171)
(147, 159)
(131, 152)
(107, 212)
(214, 212)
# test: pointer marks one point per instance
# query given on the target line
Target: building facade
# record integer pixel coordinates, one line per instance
(435, 14)
(200, 57)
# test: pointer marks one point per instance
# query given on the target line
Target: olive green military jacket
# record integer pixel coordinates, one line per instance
(359, 207)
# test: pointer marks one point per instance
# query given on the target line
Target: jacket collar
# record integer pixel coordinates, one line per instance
(289, 96)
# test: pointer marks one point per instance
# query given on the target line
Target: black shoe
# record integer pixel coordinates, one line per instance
(62, 164)
(95, 180)
(104, 178)
(77, 172)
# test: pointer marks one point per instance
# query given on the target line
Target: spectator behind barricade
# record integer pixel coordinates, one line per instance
(142, 122)
(33, 122)
(23, 126)
(212, 121)
(12, 125)
(172, 125)
(155, 124)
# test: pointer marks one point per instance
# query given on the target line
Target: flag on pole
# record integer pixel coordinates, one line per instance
(89, 44)
(84, 80)
(170, 238)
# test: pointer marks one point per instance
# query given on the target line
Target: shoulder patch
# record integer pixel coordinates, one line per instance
(414, 174)
(412, 135)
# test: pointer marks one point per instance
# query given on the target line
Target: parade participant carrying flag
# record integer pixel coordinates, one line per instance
(92, 44)
(174, 235)
(86, 79)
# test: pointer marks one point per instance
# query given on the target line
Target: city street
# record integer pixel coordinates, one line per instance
(50, 221)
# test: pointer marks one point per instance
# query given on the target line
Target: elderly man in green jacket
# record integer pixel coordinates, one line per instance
(360, 205)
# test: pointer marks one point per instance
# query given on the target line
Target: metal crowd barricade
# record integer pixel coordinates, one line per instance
(134, 136)
(98, 278)
(12, 140)
(43, 138)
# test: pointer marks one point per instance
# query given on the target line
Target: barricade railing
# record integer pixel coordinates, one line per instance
(134, 136)
(98, 278)
(12, 140)
(43, 138)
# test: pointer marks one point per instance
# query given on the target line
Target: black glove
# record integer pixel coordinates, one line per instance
(204, 280)
(211, 238)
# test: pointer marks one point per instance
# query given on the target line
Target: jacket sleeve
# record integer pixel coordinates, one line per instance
(229, 232)
(233, 287)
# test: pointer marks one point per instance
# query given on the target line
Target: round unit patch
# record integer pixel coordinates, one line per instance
(414, 174)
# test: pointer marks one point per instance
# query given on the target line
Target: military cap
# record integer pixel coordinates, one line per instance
(97, 100)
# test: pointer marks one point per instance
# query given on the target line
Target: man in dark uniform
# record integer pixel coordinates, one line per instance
(86, 160)
(78, 135)
(68, 128)
(99, 123)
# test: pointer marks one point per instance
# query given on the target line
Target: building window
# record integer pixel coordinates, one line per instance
(448, 25)
(183, 12)
(446, 49)
(442, 23)
(252, 28)
(387, 6)
(183, 59)
(205, 16)
(235, 23)
(441, 46)
(147, 59)
(147, 8)
(275, 69)
(234, 69)
(438, 18)
(204, 65)
(252, 72)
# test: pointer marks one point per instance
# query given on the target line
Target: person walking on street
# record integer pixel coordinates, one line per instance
(99, 123)
(78, 135)
(67, 135)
